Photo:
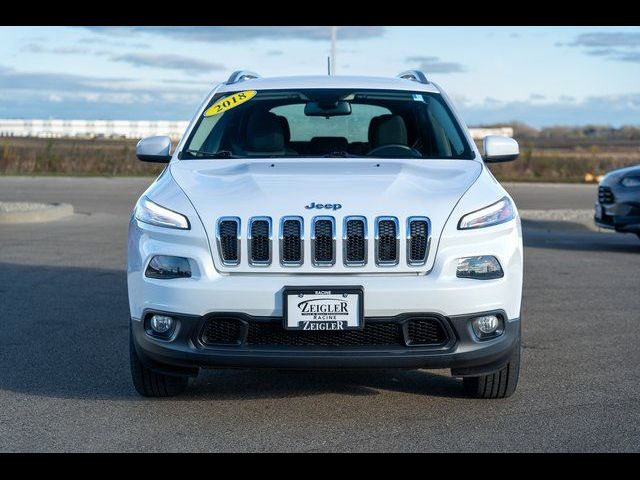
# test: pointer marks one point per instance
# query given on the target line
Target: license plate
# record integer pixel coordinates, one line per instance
(323, 308)
(598, 211)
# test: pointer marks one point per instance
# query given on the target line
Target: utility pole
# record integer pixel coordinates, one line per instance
(334, 34)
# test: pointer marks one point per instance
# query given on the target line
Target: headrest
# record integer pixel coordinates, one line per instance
(265, 133)
(388, 129)
(286, 130)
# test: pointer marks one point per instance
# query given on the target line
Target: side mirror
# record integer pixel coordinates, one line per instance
(154, 149)
(500, 149)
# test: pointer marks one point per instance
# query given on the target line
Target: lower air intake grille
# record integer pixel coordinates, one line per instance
(323, 241)
(222, 331)
(605, 195)
(228, 231)
(426, 331)
(355, 248)
(291, 241)
(263, 333)
(260, 247)
(418, 241)
(419, 330)
(387, 241)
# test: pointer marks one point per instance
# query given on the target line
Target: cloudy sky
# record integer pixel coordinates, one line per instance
(539, 75)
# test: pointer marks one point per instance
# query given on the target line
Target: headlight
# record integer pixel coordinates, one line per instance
(630, 181)
(154, 214)
(496, 213)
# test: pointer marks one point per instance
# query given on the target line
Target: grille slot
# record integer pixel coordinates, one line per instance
(417, 240)
(605, 195)
(323, 251)
(228, 238)
(387, 241)
(259, 241)
(271, 333)
(222, 331)
(355, 241)
(425, 331)
(291, 241)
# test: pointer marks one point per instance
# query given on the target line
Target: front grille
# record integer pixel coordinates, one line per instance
(229, 240)
(420, 331)
(323, 243)
(355, 241)
(222, 331)
(426, 331)
(291, 243)
(351, 246)
(387, 241)
(605, 195)
(418, 241)
(259, 241)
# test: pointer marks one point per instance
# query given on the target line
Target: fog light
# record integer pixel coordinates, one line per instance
(487, 326)
(161, 324)
(166, 267)
(485, 267)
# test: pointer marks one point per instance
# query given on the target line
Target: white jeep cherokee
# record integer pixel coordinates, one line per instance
(326, 222)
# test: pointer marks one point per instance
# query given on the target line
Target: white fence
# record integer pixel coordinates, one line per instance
(134, 129)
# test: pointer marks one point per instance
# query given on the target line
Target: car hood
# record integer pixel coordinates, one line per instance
(283, 187)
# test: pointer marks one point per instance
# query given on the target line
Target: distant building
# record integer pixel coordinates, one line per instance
(135, 129)
(481, 132)
(92, 128)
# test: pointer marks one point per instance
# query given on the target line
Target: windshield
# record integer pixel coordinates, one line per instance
(326, 122)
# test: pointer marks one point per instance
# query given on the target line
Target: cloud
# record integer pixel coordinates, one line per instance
(237, 33)
(435, 65)
(14, 80)
(607, 39)
(616, 46)
(615, 110)
(68, 50)
(48, 94)
(167, 61)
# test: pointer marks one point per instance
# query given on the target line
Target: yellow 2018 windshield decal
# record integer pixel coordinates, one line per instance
(227, 103)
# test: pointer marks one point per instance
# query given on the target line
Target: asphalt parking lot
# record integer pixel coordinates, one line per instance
(64, 374)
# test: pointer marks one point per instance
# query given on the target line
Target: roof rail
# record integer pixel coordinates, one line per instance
(240, 75)
(414, 76)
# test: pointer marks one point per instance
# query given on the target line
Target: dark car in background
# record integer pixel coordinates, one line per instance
(618, 205)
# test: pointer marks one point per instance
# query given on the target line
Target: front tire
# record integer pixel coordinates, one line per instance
(500, 384)
(152, 384)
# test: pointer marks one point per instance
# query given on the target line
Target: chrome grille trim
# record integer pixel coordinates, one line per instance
(387, 263)
(250, 246)
(345, 241)
(421, 261)
(332, 261)
(225, 262)
(289, 263)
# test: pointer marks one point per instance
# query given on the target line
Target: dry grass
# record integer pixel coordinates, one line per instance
(36, 156)
(541, 159)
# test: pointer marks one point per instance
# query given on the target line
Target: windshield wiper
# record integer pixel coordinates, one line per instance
(218, 154)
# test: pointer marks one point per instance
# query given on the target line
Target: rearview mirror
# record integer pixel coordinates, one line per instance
(315, 109)
(154, 149)
(500, 149)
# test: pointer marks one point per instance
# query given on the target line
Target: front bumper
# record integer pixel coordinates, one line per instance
(463, 353)
(623, 214)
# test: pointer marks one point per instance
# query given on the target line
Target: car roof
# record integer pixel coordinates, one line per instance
(328, 81)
